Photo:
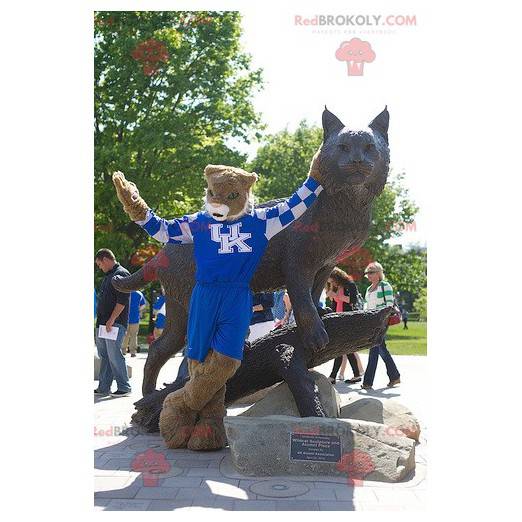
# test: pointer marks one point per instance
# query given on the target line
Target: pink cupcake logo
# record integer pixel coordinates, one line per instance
(152, 465)
(357, 465)
(355, 53)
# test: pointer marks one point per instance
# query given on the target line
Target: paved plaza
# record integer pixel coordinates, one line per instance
(207, 480)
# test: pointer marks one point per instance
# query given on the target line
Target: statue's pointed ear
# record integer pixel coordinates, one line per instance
(380, 123)
(331, 123)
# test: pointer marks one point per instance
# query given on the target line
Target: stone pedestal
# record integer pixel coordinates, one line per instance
(279, 445)
(382, 411)
(280, 401)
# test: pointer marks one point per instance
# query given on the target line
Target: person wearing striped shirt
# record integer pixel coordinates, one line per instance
(379, 295)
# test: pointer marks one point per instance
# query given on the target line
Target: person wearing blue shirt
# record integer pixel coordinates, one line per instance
(136, 306)
(158, 309)
(278, 310)
(262, 321)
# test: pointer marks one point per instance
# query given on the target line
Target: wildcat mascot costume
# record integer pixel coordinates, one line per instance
(230, 237)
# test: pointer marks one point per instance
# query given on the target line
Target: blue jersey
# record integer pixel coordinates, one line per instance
(159, 303)
(159, 306)
(229, 251)
(227, 254)
(137, 300)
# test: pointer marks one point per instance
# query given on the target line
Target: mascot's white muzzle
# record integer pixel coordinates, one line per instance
(218, 212)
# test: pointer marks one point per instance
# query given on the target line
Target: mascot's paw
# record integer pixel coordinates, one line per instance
(314, 171)
(208, 434)
(176, 420)
(129, 196)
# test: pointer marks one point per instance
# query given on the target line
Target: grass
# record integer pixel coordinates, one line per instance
(412, 341)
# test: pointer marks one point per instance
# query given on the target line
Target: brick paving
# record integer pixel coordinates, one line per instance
(208, 481)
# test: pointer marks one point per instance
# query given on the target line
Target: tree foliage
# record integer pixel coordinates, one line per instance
(171, 90)
(283, 160)
(421, 304)
(405, 270)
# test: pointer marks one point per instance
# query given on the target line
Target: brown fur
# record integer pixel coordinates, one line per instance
(177, 420)
(225, 182)
(193, 416)
(314, 171)
(129, 196)
(209, 432)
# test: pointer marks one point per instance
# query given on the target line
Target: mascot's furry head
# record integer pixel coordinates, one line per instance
(228, 195)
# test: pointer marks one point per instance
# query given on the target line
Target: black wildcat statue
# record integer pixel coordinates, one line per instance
(280, 356)
(354, 168)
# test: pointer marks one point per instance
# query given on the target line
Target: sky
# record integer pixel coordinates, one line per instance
(302, 75)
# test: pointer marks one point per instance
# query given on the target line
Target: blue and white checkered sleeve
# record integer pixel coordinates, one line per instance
(168, 230)
(278, 217)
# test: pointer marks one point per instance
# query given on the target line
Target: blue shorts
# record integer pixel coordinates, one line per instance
(219, 317)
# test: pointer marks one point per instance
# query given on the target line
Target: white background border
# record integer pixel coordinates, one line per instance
(470, 99)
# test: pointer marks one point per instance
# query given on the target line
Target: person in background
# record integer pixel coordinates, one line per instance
(288, 317)
(405, 315)
(112, 311)
(279, 306)
(322, 299)
(136, 306)
(159, 310)
(342, 292)
(262, 320)
(379, 295)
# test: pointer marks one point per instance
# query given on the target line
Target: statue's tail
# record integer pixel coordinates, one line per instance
(147, 273)
(130, 283)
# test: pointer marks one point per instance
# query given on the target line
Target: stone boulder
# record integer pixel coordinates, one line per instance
(398, 417)
(358, 450)
(253, 397)
(280, 401)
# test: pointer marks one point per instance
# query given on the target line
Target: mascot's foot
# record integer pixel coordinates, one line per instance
(176, 420)
(208, 434)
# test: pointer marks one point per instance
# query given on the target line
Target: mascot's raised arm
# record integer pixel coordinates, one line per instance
(230, 237)
(127, 192)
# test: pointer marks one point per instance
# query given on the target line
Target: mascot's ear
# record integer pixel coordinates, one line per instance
(380, 123)
(248, 179)
(331, 123)
(214, 169)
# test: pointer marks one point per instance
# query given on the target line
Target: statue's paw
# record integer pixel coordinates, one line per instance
(316, 338)
(324, 311)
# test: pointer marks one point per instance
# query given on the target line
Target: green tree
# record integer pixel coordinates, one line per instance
(171, 90)
(283, 160)
(421, 304)
(405, 270)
